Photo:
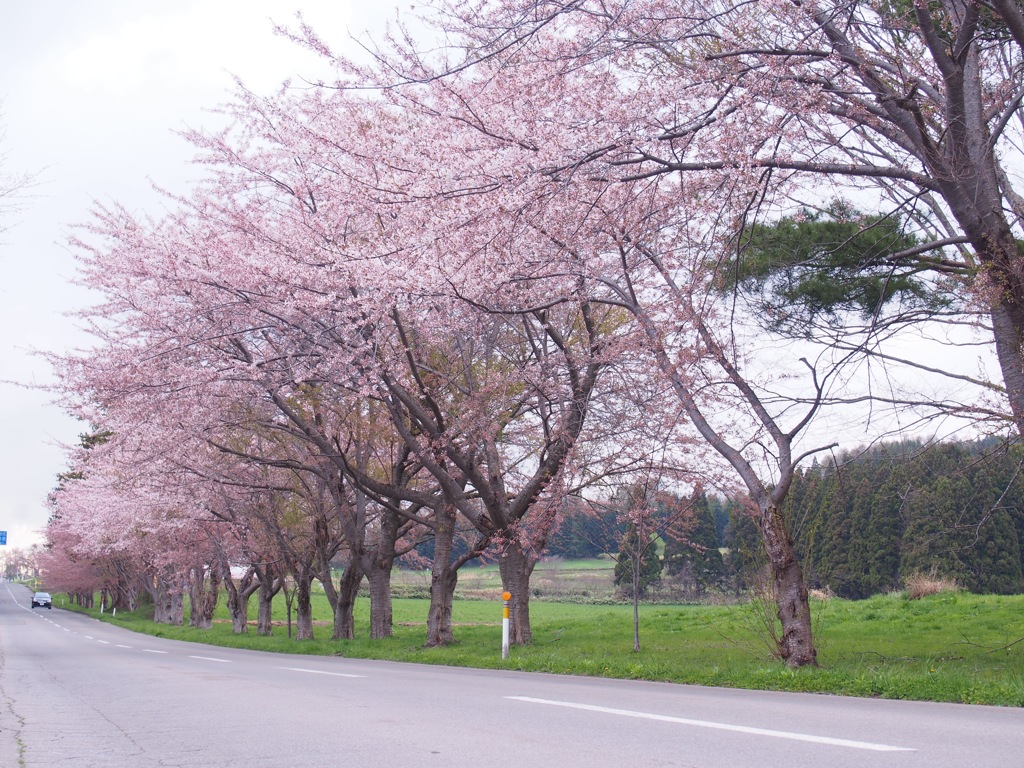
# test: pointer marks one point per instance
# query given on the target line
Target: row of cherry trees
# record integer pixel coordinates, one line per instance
(448, 289)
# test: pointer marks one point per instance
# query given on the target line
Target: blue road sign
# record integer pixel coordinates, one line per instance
(3, 537)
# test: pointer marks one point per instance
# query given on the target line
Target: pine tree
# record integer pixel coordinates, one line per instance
(745, 562)
(691, 548)
(640, 553)
(881, 560)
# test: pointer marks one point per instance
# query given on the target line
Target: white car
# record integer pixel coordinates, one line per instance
(42, 599)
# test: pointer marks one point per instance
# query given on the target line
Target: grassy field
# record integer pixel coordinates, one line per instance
(584, 581)
(948, 647)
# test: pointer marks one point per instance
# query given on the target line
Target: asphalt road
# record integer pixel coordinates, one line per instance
(76, 692)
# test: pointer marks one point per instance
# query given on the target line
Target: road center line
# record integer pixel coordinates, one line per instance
(210, 658)
(719, 726)
(124, 646)
(105, 642)
(318, 672)
(150, 650)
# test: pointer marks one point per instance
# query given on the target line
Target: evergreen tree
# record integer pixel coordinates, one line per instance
(995, 565)
(881, 555)
(858, 583)
(585, 532)
(745, 562)
(720, 513)
(832, 550)
(691, 548)
(867, 519)
(639, 552)
(927, 546)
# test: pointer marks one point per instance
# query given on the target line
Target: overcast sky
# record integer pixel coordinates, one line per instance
(92, 94)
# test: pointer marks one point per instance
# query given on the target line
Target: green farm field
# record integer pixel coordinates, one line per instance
(954, 647)
(582, 581)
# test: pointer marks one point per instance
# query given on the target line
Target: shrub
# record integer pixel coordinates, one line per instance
(821, 594)
(920, 584)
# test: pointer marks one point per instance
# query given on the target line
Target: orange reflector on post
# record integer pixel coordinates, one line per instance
(506, 596)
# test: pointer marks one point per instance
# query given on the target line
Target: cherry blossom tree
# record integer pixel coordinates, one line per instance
(697, 122)
(462, 242)
(911, 108)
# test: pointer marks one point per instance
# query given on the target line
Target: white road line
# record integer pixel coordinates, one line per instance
(124, 646)
(88, 637)
(103, 641)
(318, 672)
(719, 726)
(210, 658)
(150, 650)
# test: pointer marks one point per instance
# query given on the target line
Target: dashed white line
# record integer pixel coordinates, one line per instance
(318, 672)
(124, 646)
(719, 726)
(150, 650)
(103, 641)
(210, 658)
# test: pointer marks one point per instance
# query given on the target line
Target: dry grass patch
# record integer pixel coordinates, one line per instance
(920, 585)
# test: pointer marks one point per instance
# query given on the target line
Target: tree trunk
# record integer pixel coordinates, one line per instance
(168, 602)
(124, 598)
(1010, 353)
(177, 608)
(303, 604)
(238, 599)
(379, 564)
(345, 602)
(796, 646)
(381, 615)
(168, 606)
(443, 578)
(202, 597)
(238, 607)
(636, 598)
(516, 567)
(269, 586)
(125, 590)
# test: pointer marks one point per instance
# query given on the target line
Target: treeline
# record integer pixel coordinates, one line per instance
(669, 539)
(864, 521)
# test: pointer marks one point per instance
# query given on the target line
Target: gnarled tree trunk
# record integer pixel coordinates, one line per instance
(516, 566)
(343, 599)
(168, 603)
(202, 596)
(381, 612)
(269, 586)
(796, 646)
(238, 599)
(303, 604)
(443, 578)
(378, 565)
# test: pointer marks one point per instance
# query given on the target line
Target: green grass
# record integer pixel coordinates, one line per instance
(948, 647)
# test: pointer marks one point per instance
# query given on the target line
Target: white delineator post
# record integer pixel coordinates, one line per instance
(506, 596)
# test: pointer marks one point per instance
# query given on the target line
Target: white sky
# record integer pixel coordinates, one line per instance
(92, 94)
